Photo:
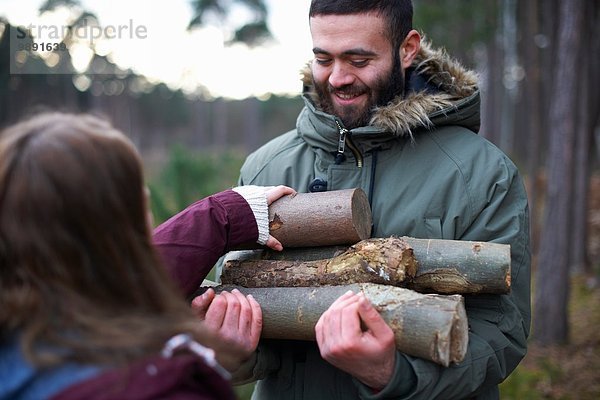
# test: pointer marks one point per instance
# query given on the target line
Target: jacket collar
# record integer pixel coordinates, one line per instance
(439, 91)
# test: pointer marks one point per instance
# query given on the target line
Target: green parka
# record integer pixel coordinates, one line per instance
(428, 175)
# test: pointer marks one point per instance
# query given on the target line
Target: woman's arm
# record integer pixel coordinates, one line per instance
(193, 240)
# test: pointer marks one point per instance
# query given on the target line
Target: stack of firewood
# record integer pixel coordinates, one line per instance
(415, 284)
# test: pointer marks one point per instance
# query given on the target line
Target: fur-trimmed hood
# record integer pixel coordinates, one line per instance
(446, 93)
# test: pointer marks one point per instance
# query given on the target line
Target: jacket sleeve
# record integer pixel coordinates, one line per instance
(192, 241)
(498, 324)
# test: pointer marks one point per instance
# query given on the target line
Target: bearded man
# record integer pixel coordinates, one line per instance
(386, 112)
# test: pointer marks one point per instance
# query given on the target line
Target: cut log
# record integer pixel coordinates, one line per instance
(321, 219)
(387, 261)
(443, 266)
(433, 327)
(455, 266)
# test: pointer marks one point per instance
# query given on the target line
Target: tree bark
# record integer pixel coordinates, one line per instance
(321, 219)
(552, 275)
(580, 262)
(532, 94)
(433, 327)
(385, 261)
(442, 266)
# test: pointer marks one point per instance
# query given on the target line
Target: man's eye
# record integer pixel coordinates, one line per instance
(323, 61)
(359, 63)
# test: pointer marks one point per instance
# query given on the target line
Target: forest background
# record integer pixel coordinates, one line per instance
(539, 67)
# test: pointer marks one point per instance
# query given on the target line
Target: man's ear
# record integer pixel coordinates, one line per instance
(410, 48)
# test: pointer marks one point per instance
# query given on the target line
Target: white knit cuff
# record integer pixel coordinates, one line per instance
(257, 200)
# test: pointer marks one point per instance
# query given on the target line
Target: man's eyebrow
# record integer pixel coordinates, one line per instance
(318, 50)
(350, 52)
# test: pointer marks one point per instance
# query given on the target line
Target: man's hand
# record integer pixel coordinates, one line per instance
(275, 193)
(367, 352)
(234, 318)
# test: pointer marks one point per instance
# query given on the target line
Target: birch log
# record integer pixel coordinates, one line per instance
(321, 219)
(442, 266)
(433, 327)
(457, 266)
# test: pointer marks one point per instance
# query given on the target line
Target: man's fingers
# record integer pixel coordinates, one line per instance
(344, 300)
(372, 319)
(330, 323)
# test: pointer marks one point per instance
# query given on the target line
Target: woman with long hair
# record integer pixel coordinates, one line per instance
(84, 295)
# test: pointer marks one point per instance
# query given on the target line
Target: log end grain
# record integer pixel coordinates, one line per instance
(459, 335)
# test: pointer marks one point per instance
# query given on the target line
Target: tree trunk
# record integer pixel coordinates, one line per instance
(532, 94)
(492, 81)
(321, 219)
(433, 327)
(579, 239)
(510, 74)
(552, 276)
(442, 266)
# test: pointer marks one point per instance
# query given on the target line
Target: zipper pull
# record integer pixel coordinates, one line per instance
(340, 157)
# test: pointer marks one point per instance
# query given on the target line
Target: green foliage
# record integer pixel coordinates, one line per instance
(522, 384)
(189, 176)
(528, 382)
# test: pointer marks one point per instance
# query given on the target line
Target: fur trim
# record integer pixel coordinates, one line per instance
(410, 112)
(403, 114)
(445, 72)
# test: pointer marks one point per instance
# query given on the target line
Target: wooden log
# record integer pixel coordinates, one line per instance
(455, 266)
(443, 266)
(386, 261)
(429, 326)
(321, 219)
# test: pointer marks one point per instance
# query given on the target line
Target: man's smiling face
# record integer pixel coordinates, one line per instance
(354, 69)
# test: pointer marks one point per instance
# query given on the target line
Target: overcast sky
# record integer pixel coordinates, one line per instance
(169, 53)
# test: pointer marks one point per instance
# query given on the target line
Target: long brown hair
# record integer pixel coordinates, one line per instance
(78, 271)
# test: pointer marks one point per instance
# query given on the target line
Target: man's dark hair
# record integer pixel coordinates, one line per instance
(398, 13)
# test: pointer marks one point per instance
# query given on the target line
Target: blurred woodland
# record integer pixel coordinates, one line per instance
(539, 66)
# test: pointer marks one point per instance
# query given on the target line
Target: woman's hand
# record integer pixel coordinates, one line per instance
(235, 319)
(274, 193)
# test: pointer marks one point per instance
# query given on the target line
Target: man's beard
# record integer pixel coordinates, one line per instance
(384, 90)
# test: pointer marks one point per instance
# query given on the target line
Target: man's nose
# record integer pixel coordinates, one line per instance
(340, 76)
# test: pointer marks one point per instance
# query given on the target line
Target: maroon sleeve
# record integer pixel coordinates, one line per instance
(191, 242)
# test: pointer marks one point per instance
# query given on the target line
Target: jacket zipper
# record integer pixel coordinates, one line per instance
(345, 139)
